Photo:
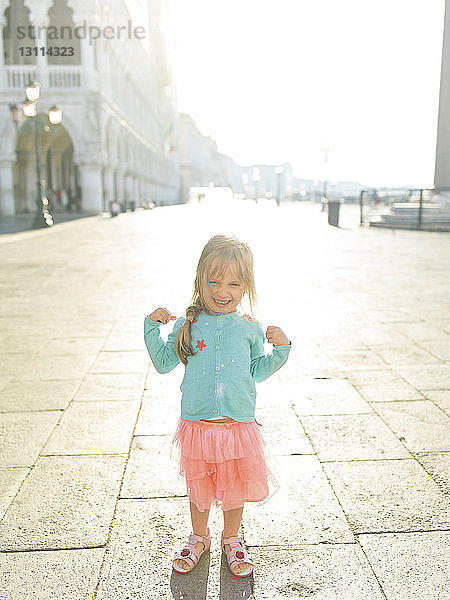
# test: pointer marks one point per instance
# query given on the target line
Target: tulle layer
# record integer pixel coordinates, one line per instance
(223, 463)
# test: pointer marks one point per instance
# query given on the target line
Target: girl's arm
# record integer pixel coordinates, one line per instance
(263, 366)
(164, 355)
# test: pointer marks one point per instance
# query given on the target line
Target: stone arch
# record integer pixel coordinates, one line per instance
(58, 169)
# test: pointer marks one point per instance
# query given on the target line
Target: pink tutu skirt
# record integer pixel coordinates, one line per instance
(223, 463)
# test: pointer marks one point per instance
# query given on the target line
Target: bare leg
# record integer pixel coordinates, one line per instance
(231, 522)
(199, 527)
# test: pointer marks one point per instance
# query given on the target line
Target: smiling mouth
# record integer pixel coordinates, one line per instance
(221, 302)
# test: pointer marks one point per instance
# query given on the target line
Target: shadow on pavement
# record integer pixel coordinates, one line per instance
(24, 222)
(193, 584)
(231, 587)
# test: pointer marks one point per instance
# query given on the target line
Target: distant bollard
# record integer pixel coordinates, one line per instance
(333, 212)
(132, 205)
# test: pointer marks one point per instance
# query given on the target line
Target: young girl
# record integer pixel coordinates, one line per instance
(220, 445)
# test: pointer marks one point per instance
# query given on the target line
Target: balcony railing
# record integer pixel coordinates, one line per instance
(59, 76)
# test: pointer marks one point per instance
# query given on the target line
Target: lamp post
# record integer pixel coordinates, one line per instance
(325, 160)
(42, 218)
(279, 171)
(256, 178)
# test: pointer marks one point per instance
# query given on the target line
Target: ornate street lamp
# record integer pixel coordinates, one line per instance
(42, 218)
(33, 91)
(55, 115)
(16, 114)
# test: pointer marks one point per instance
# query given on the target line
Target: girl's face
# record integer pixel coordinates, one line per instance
(223, 292)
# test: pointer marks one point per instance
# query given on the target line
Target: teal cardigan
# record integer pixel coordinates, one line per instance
(220, 378)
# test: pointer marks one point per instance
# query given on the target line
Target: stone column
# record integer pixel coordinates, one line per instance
(129, 188)
(2, 55)
(108, 181)
(91, 182)
(137, 191)
(7, 204)
(84, 16)
(39, 18)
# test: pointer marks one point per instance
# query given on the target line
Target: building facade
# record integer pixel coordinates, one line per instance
(201, 164)
(107, 65)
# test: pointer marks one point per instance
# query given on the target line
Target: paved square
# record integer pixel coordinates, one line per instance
(357, 420)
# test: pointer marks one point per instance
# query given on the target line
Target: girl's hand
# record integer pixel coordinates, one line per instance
(162, 315)
(276, 336)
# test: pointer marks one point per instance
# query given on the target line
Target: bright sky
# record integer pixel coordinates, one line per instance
(276, 81)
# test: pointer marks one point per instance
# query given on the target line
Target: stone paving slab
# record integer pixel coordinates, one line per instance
(11, 479)
(410, 565)
(352, 437)
(55, 369)
(12, 364)
(382, 385)
(420, 425)
(405, 354)
(388, 495)
(437, 465)
(46, 575)
(166, 384)
(17, 396)
(422, 331)
(94, 428)
(303, 510)
(356, 359)
(340, 339)
(123, 340)
(282, 431)
(158, 414)
(74, 345)
(65, 502)
(441, 398)
(324, 396)
(4, 380)
(378, 336)
(440, 349)
(318, 366)
(110, 386)
(22, 435)
(337, 572)
(23, 344)
(145, 536)
(35, 323)
(150, 472)
(433, 377)
(120, 362)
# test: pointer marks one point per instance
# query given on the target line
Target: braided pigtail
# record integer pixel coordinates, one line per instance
(184, 344)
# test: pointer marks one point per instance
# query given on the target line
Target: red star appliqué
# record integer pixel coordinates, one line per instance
(194, 320)
(200, 344)
(247, 317)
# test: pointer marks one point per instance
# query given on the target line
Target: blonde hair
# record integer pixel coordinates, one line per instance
(220, 252)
